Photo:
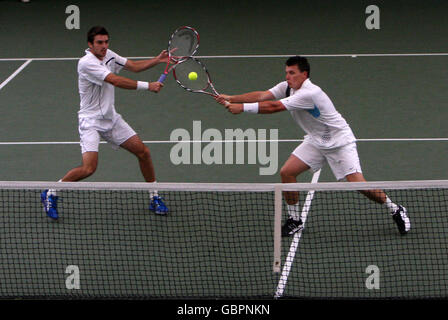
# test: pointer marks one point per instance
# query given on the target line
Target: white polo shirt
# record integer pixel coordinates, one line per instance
(315, 113)
(97, 96)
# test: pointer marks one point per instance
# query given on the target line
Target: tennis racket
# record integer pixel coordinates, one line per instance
(203, 83)
(183, 43)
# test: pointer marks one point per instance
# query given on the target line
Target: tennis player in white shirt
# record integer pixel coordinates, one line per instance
(98, 119)
(329, 139)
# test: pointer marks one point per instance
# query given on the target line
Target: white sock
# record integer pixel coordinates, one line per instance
(294, 211)
(52, 192)
(390, 205)
(153, 193)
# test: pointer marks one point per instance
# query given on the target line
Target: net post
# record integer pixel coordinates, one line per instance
(277, 227)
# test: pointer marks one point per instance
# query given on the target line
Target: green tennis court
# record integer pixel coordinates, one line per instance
(389, 84)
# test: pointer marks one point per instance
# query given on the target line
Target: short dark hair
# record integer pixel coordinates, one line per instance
(95, 31)
(301, 62)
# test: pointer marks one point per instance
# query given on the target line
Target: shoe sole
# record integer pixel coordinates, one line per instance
(300, 228)
(160, 213)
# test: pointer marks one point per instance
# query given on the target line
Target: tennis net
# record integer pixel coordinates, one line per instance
(222, 241)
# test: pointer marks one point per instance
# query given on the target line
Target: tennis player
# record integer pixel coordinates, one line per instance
(97, 80)
(329, 139)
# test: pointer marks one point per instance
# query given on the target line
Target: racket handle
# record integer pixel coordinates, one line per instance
(162, 77)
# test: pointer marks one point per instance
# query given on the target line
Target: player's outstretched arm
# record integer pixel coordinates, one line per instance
(126, 83)
(257, 107)
(255, 96)
(141, 65)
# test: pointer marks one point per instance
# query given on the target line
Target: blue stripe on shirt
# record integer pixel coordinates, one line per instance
(314, 112)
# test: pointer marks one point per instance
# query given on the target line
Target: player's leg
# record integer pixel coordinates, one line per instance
(398, 212)
(122, 135)
(345, 163)
(292, 168)
(135, 145)
(49, 197)
(86, 169)
(377, 195)
(90, 140)
(304, 157)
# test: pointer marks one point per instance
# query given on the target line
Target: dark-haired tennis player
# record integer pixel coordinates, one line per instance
(328, 139)
(97, 80)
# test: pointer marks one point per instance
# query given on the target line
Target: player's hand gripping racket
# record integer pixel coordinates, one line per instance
(183, 43)
(200, 82)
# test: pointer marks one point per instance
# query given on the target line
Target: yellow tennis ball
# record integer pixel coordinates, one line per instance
(193, 76)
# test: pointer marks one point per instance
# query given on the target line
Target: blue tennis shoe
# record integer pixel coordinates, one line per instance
(50, 203)
(158, 206)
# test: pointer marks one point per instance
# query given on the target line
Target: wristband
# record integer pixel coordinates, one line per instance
(250, 107)
(142, 85)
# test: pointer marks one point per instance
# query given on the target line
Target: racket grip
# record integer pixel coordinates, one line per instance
(162, 77)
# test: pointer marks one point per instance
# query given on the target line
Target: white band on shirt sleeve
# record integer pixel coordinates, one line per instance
(250, 107)
(142, 85)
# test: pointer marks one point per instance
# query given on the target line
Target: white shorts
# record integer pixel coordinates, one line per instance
(115, 132)
(342, 161)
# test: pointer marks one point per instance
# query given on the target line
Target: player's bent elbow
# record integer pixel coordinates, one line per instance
(112, 79)
(131, 66)
(116, 81)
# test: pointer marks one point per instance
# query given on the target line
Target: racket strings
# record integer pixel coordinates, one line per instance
(183, 70)
(185, 41)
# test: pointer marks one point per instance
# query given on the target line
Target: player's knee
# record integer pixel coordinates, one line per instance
(88, 170)
(143, 153)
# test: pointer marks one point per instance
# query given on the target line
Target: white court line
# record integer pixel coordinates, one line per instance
(295, 242)
(346, 55)
(14, 143)
(23, 66)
